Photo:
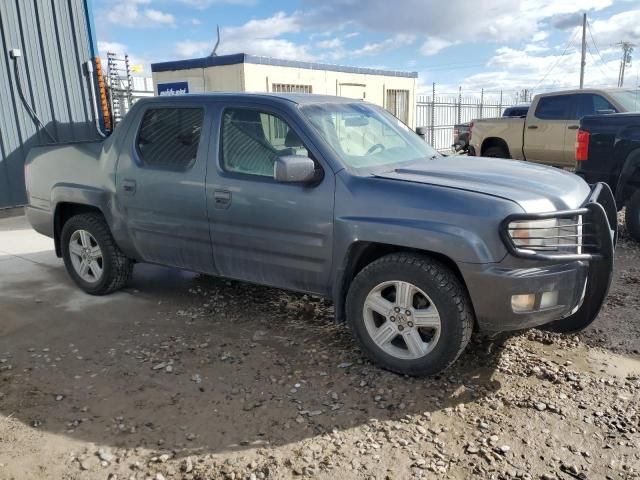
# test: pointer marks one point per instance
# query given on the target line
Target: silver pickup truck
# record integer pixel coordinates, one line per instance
(333, 197)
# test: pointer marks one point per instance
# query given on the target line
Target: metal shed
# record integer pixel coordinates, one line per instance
(241, 72)
(46, 92)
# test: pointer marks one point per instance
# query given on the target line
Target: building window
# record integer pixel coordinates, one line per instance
(397, 103)
(290, 88)
(169, 137)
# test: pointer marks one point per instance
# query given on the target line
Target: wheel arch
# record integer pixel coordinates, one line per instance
(63, 212)
(494, 142)
(362, 253)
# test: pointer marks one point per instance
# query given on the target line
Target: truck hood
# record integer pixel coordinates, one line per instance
(536, 188)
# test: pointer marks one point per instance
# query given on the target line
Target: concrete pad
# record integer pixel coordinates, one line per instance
(35, 287)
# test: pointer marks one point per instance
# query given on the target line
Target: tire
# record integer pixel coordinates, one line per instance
(113, 266)
(632, 216)
(495, 152)
(435, 286)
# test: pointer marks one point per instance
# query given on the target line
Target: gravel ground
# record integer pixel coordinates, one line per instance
(236, 381)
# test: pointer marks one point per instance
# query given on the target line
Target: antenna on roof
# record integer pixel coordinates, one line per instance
(213, 52)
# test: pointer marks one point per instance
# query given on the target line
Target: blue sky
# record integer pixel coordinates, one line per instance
(496, 45)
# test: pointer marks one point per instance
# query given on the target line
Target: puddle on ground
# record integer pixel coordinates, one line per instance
(596, 361)
(612, 364)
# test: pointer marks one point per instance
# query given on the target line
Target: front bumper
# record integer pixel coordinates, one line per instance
(581, 280)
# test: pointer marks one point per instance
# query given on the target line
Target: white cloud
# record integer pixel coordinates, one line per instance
(433, 45)
(401, 39)
(193, 49)
(622, 26)
(270, 27)
(256, 37)
(490, 20)
(134, 13)
(333, 43)
(202, 4)
(120, 50)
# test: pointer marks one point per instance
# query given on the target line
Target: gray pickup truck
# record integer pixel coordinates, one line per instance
(337, 198)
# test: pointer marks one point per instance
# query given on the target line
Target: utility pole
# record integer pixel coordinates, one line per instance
(584, 49)
(627, 49)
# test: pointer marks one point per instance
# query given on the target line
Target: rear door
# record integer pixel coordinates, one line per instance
(264, 231)
(545, 129)
(160, 184)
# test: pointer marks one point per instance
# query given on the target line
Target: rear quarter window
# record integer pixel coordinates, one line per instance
(168, 138)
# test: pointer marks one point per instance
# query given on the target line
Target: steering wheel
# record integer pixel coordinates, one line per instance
(377, 146)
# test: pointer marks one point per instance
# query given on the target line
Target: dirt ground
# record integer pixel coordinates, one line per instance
(189, 377)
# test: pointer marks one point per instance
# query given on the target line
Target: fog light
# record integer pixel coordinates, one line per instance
(549, 299)
(523, 303)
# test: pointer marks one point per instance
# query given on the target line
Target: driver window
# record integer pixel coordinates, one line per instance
(253, 140)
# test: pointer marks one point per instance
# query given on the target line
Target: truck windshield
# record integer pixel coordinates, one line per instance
(364, 135)
(629, 99)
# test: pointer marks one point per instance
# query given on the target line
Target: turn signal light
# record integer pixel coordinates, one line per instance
(582, 146)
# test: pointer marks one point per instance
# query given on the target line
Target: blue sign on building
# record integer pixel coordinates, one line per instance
(173, 88)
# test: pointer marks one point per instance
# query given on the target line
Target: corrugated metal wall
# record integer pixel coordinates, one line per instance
(55, 40)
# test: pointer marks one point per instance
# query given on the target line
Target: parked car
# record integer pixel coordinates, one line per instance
(519, 110)
(332, 197)
(548, 132)
(608, 150)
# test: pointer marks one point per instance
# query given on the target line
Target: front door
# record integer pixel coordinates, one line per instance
(545, 130)
(264, 231)
(160, 184)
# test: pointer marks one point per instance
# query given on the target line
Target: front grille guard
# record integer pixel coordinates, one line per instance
(599, 225)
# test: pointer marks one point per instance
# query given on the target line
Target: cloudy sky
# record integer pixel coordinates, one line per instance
(492, 44)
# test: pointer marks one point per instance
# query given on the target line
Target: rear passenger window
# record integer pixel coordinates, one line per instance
(556, 107)
(169, 137)
(253, 140)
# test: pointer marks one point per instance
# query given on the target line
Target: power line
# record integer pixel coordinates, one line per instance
(569, 44)
(595, 45)
(598, 65)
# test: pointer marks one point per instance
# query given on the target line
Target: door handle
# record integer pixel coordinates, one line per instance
(573, 127)
(532, 127)
(222, 198)
(129, 186)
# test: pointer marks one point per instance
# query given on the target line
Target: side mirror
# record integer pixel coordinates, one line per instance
(294, 169)
(422, 131)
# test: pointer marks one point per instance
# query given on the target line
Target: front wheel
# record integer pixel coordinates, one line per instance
(91, 256)
(410, 314)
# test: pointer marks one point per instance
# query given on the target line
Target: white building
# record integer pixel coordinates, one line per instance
(240, 72)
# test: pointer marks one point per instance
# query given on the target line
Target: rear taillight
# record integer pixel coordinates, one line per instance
(582, 146)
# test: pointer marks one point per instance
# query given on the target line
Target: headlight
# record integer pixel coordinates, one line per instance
(553, 234)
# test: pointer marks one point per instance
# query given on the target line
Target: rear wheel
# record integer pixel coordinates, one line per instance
(91, 256)
(632, 216)
(496, 152)
(410, 314)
